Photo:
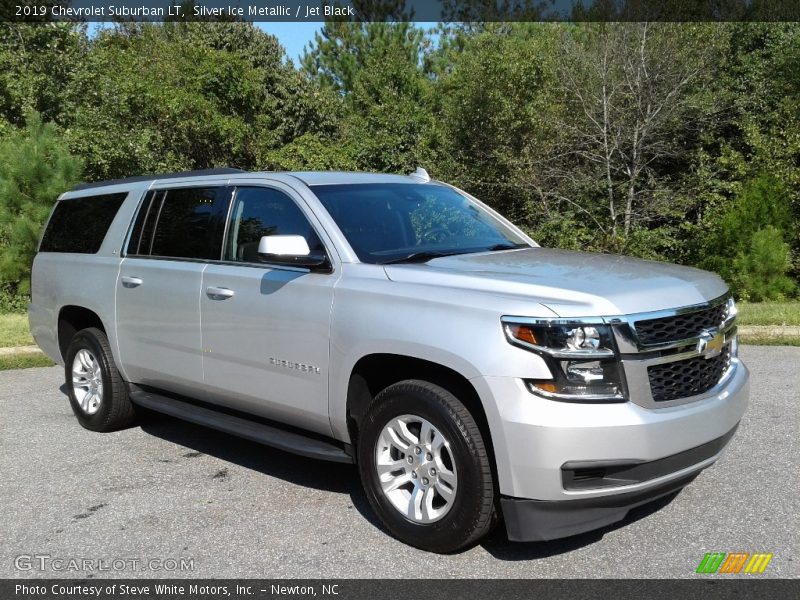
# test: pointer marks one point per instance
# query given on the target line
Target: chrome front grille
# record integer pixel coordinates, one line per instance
(676, 356)
(688, 377)
(679, 327)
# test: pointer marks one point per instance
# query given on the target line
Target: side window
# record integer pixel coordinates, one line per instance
(142, 234)
(260, 211)
(80, 224)
(182, 223)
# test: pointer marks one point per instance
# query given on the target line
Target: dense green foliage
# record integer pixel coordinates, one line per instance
(35, 167)
(670, 141)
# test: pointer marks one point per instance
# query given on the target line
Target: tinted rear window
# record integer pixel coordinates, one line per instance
(189, 223)
(80, 224)
(142, 234)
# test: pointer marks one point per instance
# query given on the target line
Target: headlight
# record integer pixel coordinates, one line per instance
(580, 356)
(730, 312)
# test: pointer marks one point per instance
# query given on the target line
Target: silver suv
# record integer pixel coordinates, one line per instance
(400, 324)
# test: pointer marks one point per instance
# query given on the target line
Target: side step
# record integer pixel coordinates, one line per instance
(262, 433)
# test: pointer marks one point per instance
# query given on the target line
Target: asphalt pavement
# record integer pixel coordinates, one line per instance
(170, 499)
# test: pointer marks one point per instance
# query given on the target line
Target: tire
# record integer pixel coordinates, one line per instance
(454, 507)
(89, 360)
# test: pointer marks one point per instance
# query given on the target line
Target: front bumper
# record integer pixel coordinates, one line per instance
(537, 440)
(542, 520)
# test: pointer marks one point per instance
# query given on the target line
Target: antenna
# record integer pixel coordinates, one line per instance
(421, 174)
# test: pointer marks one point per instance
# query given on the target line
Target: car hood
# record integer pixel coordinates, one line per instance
(571, 284)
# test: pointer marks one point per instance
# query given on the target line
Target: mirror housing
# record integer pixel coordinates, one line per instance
(291, 250)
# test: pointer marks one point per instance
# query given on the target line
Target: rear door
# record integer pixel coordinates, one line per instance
(266, 326)
(177, 231)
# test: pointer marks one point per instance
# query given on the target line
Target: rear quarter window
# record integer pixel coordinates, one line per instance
(80, 224)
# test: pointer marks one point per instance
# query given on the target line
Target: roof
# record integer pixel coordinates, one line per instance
(342, 177)
(201, 173)
(308, 177)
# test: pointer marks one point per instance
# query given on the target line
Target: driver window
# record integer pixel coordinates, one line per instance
(260, 211)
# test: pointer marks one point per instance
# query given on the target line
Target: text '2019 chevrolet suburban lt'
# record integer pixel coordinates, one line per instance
(397, 323)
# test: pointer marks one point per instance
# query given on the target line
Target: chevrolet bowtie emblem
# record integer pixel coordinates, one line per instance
(710, 343)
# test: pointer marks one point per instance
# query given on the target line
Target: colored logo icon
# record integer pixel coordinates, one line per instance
(734, 562)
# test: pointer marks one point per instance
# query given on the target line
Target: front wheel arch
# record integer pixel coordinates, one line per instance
(375, 372)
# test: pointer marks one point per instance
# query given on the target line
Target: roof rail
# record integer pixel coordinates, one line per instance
(200, 173)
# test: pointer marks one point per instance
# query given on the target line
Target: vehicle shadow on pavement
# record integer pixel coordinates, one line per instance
(317, 474)
(344, 479)
(498, 546)
(307, 472)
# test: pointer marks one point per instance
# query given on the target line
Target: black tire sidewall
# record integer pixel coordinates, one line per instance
(87, 339)
(452, 531)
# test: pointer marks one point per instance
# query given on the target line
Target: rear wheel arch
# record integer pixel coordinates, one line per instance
(72, 319)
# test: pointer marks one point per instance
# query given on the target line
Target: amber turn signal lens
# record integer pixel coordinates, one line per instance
(523, 334)
(546, 386)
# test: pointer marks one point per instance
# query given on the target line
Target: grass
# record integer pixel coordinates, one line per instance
(24, 361)
(14, 331)
(769, 313)
(766, 314)
(769, 340)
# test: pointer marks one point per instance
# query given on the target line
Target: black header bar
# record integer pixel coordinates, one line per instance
(409, 10)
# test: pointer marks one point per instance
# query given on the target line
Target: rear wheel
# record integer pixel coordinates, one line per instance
(97, 393)
(425, 468)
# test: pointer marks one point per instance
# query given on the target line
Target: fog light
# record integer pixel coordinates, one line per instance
(586, 373)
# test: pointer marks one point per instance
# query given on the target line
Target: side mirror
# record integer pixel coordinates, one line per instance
(289, 250)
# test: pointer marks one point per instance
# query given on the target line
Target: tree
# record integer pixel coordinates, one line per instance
(746, 244)
(637, 98)
(389, 120)
(497, 112)
(757, 151)
(152, 98)
(376, 69)
(759, 271)
(156, 101)
(341, 50)
(35, 168)
(36, 61)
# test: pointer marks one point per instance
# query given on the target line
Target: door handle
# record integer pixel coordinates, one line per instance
(219, 293)
(131, 282)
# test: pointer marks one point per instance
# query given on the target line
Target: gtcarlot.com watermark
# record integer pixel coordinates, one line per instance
(47, 563)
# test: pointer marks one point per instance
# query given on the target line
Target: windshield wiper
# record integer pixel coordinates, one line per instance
(507, 247)
(423, 256)
(426, 255)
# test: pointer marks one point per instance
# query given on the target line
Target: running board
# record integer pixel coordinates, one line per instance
(262, 433)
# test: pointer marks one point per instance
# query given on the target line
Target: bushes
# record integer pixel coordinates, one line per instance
(759, 272)
(748, 246)
(11, 301)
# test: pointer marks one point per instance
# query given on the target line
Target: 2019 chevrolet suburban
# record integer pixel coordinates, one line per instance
(400, 324)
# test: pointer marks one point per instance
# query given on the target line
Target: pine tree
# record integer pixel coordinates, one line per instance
(35, 167)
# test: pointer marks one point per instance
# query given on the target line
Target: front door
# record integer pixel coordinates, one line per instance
(266, 327)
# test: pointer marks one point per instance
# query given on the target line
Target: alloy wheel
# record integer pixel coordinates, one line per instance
(415, 468)
(87, 381)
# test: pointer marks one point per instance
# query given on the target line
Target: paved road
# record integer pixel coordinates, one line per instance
(171, 490)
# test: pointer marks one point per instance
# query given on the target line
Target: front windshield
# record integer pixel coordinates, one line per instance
(393, 222)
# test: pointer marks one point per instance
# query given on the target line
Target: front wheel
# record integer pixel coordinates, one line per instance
(425, 468)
